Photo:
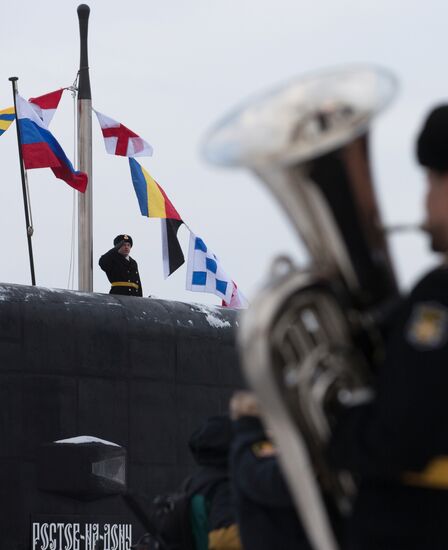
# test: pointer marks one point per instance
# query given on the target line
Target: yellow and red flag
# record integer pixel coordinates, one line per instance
(7, 117)
(154, 203)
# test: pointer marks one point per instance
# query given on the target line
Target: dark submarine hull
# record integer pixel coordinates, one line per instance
(139, 372)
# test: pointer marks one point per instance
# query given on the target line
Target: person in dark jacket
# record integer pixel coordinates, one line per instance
(121, 269)
(266, 515)
(397, 445)
(210, 447)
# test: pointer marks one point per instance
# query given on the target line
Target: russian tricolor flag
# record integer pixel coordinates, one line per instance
(40, 149)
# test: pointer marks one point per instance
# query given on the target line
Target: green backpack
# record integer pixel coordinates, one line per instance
(199, 509)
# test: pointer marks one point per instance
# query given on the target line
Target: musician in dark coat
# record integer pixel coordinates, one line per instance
(210, 445)
(121, 269)
(265, 512)
(397, 445)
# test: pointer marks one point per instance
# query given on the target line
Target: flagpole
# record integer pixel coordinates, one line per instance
(85, 200)
(26, 207)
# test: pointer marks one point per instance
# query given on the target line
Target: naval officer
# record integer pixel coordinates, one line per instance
(121, 269)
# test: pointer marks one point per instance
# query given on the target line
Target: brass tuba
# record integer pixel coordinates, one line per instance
(310, 341)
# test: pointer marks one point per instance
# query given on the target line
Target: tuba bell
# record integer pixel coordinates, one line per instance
(310, 341)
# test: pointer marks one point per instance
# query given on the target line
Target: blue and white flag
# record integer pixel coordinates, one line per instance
(204, 273)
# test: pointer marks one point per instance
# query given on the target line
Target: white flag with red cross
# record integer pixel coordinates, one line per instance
(119, 140)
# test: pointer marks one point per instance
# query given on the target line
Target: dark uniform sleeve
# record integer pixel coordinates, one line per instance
(255, 470)
(106, 260)
(405, 427)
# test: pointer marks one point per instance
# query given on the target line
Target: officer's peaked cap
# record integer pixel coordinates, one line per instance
(432, 142)
(125, 238)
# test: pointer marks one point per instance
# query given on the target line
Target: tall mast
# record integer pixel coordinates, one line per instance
(85, 209)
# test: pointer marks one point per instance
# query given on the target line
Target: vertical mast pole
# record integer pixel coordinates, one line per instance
(26, 204)
(85, 207)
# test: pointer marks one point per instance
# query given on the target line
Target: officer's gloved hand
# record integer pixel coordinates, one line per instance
(119, 245)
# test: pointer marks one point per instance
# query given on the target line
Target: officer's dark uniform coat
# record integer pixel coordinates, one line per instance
(120, 270)
(398, 444)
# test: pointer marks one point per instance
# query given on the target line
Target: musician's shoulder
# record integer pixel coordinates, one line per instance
(433, 285)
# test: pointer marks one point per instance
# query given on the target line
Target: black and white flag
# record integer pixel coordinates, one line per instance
(172, 254)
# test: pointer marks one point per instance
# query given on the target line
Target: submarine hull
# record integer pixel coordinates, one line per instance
(140, 373)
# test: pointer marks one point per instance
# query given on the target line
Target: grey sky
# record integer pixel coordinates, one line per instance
(169, 70)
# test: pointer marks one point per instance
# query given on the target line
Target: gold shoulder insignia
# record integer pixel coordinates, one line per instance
(428, 326)
(263, 449)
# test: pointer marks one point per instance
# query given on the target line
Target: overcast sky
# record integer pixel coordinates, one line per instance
(169, 70)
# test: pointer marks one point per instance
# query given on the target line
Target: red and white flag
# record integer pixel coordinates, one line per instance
(45, 105)
(119, 140)
(237, 300)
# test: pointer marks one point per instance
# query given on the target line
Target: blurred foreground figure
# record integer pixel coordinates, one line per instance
(200, 514)
(266, 515)
(398, 444)
(213, 516)
(351, 376)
